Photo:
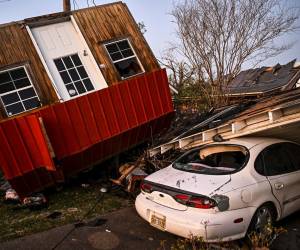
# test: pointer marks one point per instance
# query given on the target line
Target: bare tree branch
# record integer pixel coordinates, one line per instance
(218, 36)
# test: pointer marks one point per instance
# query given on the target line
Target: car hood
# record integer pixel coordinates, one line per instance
(192, 182)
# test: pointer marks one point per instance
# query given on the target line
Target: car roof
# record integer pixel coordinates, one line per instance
(250, 142)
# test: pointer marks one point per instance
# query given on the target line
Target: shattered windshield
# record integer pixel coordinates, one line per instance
(213, 160)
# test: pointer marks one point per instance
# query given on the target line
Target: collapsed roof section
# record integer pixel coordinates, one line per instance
(275, 116)
(265, 79)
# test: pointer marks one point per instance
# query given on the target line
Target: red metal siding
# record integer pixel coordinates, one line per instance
(87, 129)
(23, 147)
(76, 125)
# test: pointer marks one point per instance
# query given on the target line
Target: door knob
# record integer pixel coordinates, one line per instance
(278, 186)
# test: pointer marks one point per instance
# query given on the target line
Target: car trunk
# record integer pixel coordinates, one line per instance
(169, 182)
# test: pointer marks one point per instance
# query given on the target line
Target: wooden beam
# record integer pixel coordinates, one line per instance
(275, 115)
(208, 135)
(237, 126)
(50, 148)
(166, 147)
(67, 5)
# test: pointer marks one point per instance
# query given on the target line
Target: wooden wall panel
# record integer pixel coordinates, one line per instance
(98, 25)
(111, 22)
(16, 49)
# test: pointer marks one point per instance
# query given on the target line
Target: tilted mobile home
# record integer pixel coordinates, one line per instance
(76, 87)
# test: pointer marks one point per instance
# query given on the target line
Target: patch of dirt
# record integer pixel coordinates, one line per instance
(104, 240)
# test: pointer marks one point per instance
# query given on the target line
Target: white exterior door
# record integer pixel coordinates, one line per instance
(68, 59)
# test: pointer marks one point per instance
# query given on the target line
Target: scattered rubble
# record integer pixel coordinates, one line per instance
(11, 196)
(36, 202)
(131, 174)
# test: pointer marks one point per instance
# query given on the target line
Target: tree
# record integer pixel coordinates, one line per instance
(216, 37)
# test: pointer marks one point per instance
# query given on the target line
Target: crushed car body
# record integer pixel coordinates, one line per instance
(223, 190)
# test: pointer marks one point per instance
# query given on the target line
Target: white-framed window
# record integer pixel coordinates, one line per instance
(17, 93)
(74, 75)
(124, 58)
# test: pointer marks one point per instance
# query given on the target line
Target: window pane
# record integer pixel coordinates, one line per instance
(60, 66)
(123, 45)
(88, 84)
(18, 73)
(15, 93)
(4, 77)
(116, 56)
(6, 87)
(76, 60)
(128, 67)
(14, 108)
(82, 72)
(65, 76)
(71, 90)
(276, 160)
(127, 53)
(294, 154)
(32, 103)
(259, 165)
(68, 62)
(74, 75)
(27, 93)
(112, 48)
(80, 87)
(10, 98)
(22, 83)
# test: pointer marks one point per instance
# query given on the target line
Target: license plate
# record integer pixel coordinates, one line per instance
(158, 221)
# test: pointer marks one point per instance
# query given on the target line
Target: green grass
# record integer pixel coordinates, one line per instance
(73, 202)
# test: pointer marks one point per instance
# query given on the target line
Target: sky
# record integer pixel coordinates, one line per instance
(154, 13)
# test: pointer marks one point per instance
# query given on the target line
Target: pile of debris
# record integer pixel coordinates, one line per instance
(33, 202)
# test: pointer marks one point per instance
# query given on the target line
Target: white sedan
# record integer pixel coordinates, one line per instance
(223, 190)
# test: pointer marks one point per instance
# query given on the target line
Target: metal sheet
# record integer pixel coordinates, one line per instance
(23, 147)
(78, 124)
(85, 130)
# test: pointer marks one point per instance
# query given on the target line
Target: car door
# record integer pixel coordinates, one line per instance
(282, 171)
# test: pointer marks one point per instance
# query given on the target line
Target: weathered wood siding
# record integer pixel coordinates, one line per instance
(16, 49)
(108, 23)
(98, 25)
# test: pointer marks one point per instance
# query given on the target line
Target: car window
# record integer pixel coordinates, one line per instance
(215, 163)
(294, 154)
(259, 164)
(277, 160)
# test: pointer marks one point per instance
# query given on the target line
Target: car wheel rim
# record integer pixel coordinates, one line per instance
(263, 219)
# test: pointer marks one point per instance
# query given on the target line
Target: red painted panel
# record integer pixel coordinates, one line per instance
(137, 101)
(23, 147)
(89, 119)
(99, 115)
(108, 108)
(69, 139)
(84, 130)
(129, 107)
(152, 85)
(119, 108)
(146, 98)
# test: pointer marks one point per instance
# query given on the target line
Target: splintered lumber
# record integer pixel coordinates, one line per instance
(276, 116)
